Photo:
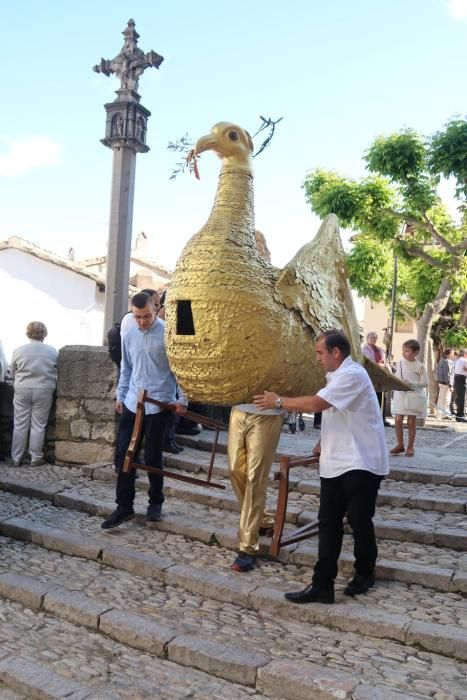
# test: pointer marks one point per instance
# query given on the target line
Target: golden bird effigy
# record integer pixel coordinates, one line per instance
(235, 324)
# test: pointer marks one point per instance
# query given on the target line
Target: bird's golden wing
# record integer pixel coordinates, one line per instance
(315, 284)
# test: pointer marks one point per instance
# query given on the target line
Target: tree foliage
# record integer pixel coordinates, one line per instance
(396, 210)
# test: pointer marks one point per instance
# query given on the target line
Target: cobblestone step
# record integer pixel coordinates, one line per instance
(196, 568)
(45, 656)
(392, 522)
(7, 693)
(402, 488)
(441, 568)
(405, 524)
(195, 629)
(427, 467)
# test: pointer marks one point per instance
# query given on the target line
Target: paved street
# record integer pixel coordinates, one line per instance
(142, 612)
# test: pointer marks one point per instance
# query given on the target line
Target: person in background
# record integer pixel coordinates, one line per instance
(372, 351)
(445, 378)
(412, 371)
(170, 443)
(377, 355)
(3, 364)
(460, 375)
(5, 420)
(34, 369)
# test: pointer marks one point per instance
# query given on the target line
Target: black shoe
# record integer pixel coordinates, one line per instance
(173, 448)
(244, 562)
(359, 584)
(266, 531)
(182, 430)
(461, 419)
(311, 594)
(154, 512)
(117, 518)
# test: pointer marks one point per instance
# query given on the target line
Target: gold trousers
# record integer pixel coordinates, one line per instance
(251, 446)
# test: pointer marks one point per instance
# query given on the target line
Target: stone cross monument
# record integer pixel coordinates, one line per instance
(125, 134)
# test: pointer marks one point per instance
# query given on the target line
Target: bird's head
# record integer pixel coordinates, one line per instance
(231, 143)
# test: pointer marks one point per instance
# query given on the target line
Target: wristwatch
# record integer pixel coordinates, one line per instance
(278, 402)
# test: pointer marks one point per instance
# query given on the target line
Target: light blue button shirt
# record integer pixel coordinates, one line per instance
(145, 366)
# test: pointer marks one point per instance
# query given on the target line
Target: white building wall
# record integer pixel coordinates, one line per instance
(31, 289)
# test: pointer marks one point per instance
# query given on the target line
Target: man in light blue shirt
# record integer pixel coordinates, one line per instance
(144, 366)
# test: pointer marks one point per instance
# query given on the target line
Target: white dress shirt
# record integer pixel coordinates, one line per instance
(461, 366)
(127, 322)
(352, 431)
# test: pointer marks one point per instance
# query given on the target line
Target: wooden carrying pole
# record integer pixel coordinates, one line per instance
(136, 436)
(282, 476)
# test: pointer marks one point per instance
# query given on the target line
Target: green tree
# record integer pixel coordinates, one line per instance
(396, 210)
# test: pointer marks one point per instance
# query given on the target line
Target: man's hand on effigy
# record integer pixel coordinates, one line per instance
(266, 400)
(180, 408)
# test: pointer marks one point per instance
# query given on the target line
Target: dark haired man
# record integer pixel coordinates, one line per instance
(128, 321)
(144, 366)
(353, 460)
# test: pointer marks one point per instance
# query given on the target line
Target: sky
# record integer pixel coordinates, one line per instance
(340, 73)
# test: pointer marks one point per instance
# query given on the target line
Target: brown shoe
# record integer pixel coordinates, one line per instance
(398, 450)
(409, 452)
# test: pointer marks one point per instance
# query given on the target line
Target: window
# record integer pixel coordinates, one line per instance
(185, 325)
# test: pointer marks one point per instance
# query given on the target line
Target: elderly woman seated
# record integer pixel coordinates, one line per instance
(34, 368)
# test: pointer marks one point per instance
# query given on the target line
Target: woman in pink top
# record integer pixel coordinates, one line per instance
(377, 355)
(372, 351)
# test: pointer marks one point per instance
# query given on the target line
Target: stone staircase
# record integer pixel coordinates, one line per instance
(154, 611)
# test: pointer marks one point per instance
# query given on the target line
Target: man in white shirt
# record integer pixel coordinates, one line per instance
(460, 374)
(353, 461)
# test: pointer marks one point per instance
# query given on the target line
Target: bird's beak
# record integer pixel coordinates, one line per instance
(205, 143)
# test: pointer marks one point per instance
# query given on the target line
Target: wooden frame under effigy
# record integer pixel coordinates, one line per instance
(135, 441)
(282, 476)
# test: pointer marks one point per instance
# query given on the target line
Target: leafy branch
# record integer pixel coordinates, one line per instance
(267, 124)
(183, 145)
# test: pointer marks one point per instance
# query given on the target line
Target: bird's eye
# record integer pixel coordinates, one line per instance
(233, 136)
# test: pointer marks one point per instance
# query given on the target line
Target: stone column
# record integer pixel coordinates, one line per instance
(119, 243)
(125, 134)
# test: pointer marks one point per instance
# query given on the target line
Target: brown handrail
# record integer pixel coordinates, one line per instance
(282, 476)
(129, 462)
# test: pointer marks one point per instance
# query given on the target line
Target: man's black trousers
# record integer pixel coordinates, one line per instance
(153, 430)
(354, 493)
(459, 385)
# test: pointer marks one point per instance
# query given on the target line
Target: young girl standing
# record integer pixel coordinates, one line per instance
(408, 403)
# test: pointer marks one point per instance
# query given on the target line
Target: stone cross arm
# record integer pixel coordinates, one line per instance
(131, 62)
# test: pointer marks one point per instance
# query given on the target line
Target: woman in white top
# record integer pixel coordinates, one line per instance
(34, 369)
(407, 403)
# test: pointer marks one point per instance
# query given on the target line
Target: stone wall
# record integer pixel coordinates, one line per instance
(85, 415)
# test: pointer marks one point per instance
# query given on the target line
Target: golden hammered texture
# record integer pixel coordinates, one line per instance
(254, 325)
